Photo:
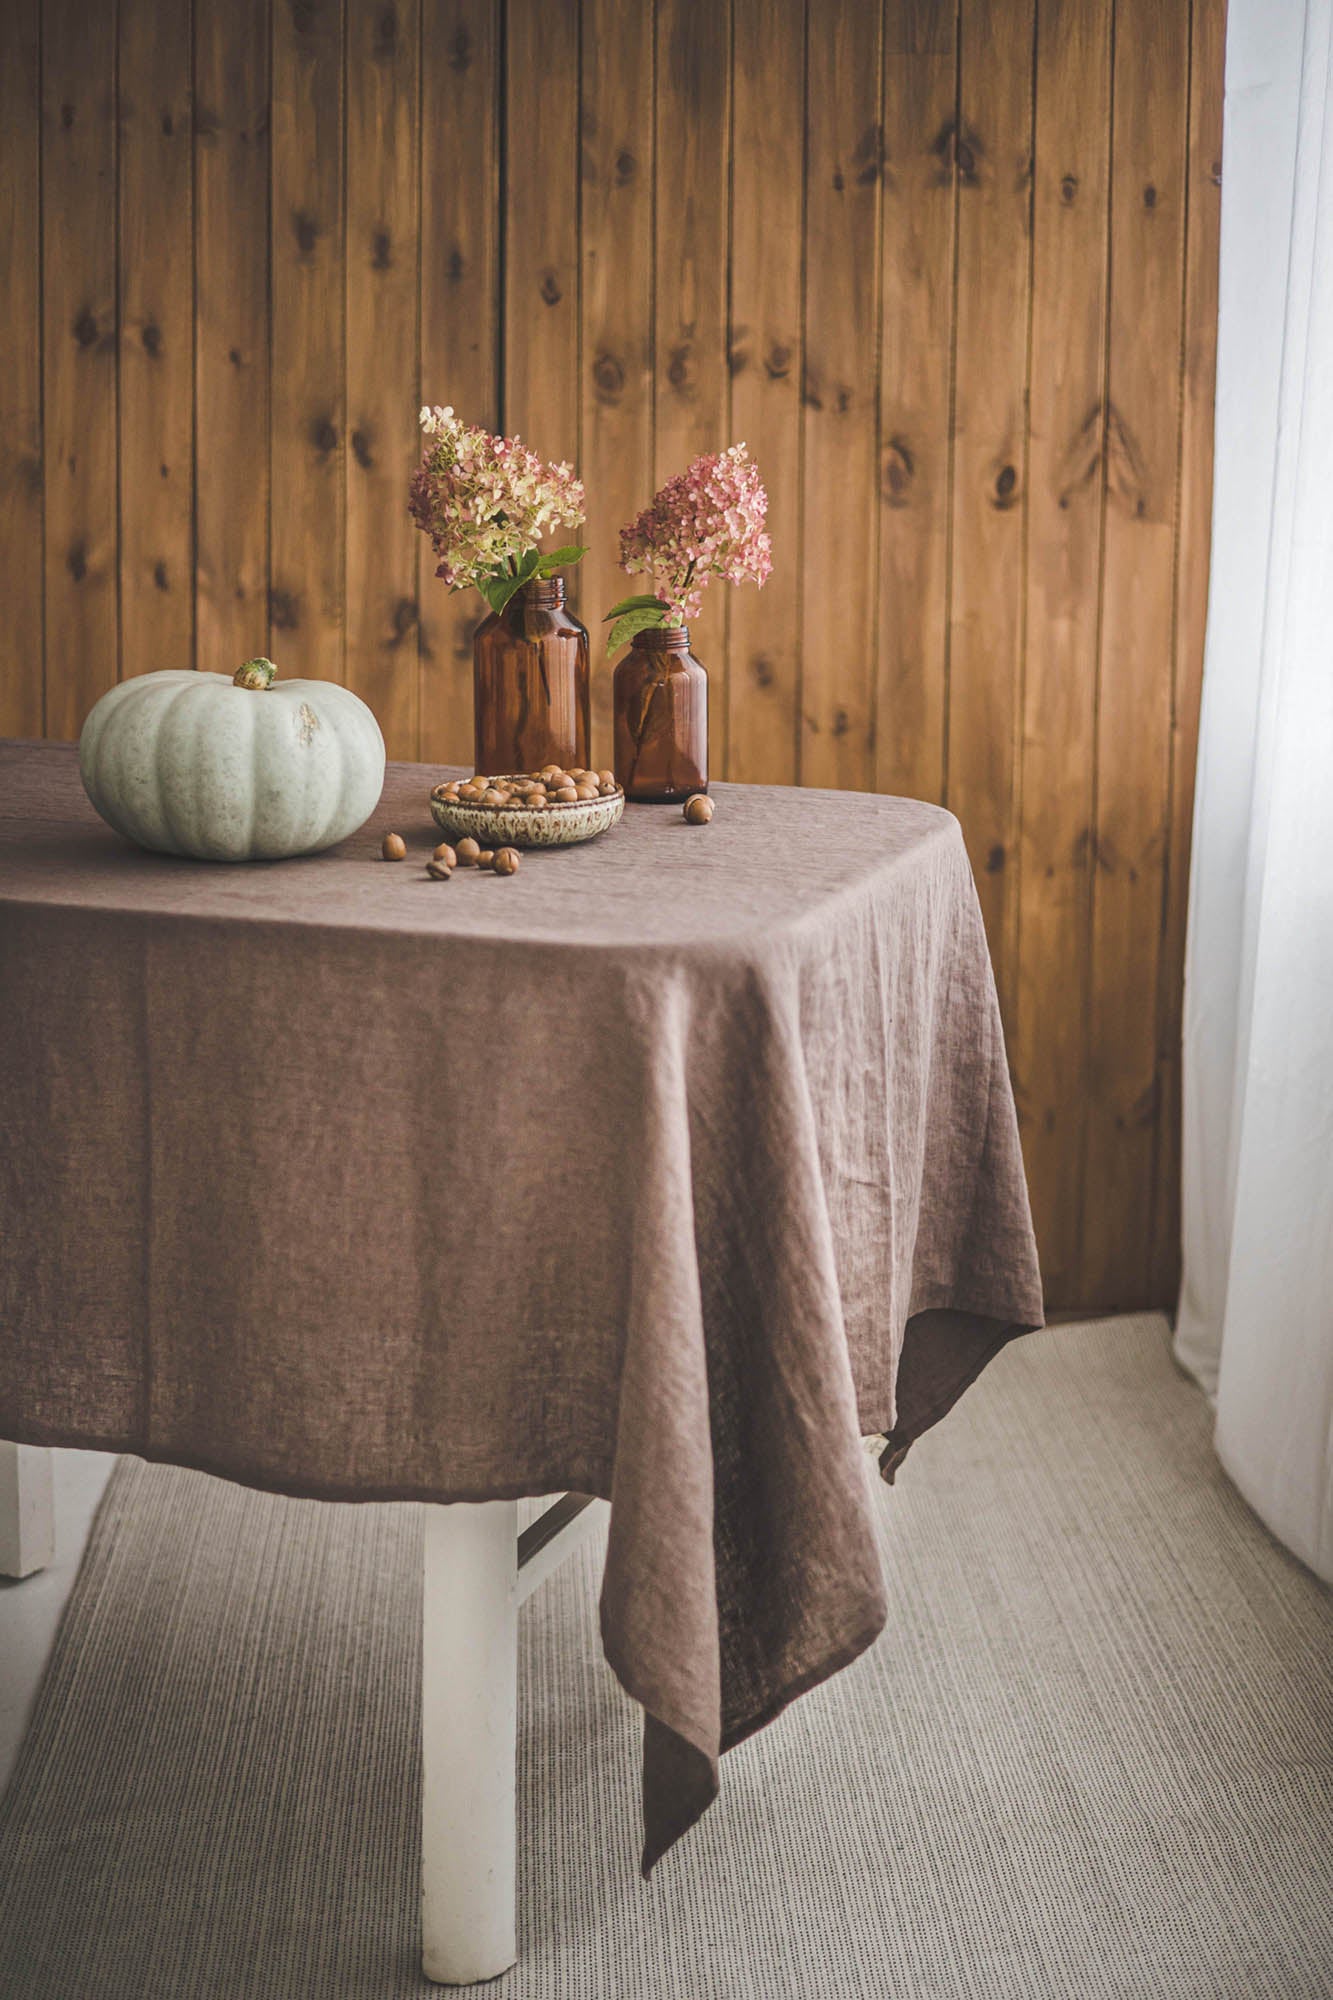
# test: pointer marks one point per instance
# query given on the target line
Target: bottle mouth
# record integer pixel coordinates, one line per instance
(664, 639)
(543, 590)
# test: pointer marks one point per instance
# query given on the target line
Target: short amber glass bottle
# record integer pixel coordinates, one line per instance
(531, 688)
(661, 718)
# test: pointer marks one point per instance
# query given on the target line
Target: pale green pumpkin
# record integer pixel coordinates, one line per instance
(244, 769)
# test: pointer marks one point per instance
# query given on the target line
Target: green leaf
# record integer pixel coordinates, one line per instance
(499, 585)
(560, 559)
(633, 604)
(642, 618)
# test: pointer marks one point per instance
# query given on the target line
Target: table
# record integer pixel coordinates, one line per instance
(659, 1172)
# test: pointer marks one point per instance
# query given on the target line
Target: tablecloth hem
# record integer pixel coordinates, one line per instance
(125, 1445)
(899, 1441)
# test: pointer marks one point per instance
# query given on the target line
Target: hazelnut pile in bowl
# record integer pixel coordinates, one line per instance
(553, 807)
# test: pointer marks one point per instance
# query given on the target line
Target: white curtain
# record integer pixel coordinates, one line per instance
(1256, 1309)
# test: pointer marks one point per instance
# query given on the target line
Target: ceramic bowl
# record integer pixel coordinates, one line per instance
(560, 825)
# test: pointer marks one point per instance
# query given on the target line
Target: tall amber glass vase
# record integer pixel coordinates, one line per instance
(661, 718)
(531, 684)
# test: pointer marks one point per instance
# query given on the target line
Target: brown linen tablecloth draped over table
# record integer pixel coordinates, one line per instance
(662, 1171)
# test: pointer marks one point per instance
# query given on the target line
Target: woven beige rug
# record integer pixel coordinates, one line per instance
(1092, 1755)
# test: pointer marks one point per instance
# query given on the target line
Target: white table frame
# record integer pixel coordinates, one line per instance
(477, 1569)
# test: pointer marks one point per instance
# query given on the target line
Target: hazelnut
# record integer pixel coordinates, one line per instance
(607, 791)
(467, 851)
(439, 870)
(486, 858)
(606, 778)
(698, 809)
(393, 847)
(470, 792)
(566, 794)
(549, 772)
(446, 854)
(507, 860)
(492, 797)
(582, 791)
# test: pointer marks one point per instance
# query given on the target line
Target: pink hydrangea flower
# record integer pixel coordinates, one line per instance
(708, 521)
(486, 501)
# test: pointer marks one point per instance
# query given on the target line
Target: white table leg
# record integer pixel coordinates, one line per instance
(469, 1695)
(27, 1514)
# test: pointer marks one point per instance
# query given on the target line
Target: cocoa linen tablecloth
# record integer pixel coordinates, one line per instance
(661, 1171)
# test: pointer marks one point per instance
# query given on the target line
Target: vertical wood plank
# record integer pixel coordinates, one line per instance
(21, 637)
(541, 255)
(993, 152)
(1202, 230)
(765, 354)
(460, 235)
(690, 311)
(616, 245)
(156, 464)
(1049, 1050)
(1134, 701)
(79, 357)
(231, 373)
(841, 384)
(383, 167)
(920, 203)
(306, 435)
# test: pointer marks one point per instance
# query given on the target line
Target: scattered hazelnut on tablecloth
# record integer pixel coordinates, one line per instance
(467, 851)
(446, 854)
(393, 847)
(486, 858)
(698, 809)
(507, 860)
(439, 870)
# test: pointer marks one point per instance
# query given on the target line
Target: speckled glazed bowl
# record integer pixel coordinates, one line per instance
(559, 825)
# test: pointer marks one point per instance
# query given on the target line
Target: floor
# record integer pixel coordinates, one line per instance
(30, 1610)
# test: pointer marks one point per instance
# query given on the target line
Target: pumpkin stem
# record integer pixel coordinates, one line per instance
(257, 674)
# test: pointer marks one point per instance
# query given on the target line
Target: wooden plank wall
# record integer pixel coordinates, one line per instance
(949, 266)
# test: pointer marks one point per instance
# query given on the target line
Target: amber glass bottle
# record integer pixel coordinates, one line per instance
(530, 681)
(661, 718)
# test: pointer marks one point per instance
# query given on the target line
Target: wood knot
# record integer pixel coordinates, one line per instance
(995, 858)
(761, 667)
(284, 612)
(404, 618)
(1068, 188)
(381, 251)
(1150, 196)
(386, 35)
(777, 362)
(550, 289)
(608, 374)
(160, 578)
(323, 435)
(307, 231)
(897, 471)
(1006, 487)
(624, 167)
(455, 266)
(868, 158)
(76, 562)
(361, 450)
(85, 328)
(168, 126)
(459, 56)
(152, 340)
(66, 116)
(841, 723)
(679, 369)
